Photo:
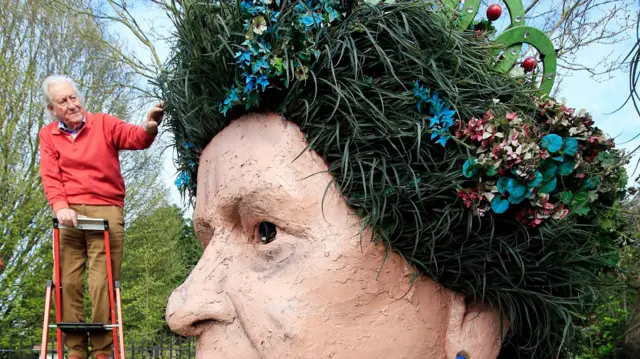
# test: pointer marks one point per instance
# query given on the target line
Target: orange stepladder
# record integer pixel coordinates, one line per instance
(55, 289)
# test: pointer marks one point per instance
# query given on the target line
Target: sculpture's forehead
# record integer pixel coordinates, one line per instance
(256, 153)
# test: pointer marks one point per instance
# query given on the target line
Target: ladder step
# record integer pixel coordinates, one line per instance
(84, 327)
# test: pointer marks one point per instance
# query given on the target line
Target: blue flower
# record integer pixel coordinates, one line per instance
(232, 96)
(436, 104)
(264, 48)
(333, 14)
(444, 136)
(435, 120)
(421, 94)
(503, 184)
(183, 179)
(467, 169)
(551, 142)
(243, 56)
(248, 7)
(499, 205)
(310, 20)
(536, 181)
(262, 81)
(225, 108)
(260, 64)
(251, 84)
(570, 146)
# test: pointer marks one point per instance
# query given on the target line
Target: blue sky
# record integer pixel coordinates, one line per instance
(580, 91)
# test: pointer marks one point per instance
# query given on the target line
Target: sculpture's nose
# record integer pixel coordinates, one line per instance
(201, 300)
(190, 309)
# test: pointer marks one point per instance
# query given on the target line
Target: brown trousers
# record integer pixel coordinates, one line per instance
(76, 247)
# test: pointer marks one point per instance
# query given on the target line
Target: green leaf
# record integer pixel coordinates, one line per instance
(581, 198)
(492, 171)
(548, 169)
(566, 167)
(549, 186)
(551, 143)
(592, 183)
(566, 197)
(581, 211)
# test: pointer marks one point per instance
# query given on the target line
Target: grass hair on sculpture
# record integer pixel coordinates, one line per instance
(486, 185)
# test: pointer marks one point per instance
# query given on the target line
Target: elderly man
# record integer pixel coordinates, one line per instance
(81, 176)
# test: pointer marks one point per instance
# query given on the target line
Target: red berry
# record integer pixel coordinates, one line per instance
(493, 12)
(529, 64)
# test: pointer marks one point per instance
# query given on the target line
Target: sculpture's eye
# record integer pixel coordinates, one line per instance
(267, 232)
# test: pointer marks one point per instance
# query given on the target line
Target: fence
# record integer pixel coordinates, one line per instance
(166, 347)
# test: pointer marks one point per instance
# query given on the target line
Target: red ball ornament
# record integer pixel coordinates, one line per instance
(529, 64)
(493, 12)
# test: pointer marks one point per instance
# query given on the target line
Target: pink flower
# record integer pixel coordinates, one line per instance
(587, 121)
(567, 110)
(544, 154)
(476, 129)
(595, 139)
(511, 116)
(580, 175)
(513, 138)
(486, 141)
(480, 211)
(528, 217)
(494, 152)
(468, 197)
(560, 212)
(461, 129)
(487, 116)
(563, 213)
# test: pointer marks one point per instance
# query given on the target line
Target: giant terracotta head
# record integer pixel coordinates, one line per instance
(287, 272)
(368, 183)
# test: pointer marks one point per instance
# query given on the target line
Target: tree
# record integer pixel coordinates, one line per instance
(161, 250)
(37, 40)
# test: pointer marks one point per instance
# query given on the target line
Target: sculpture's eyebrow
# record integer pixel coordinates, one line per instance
(271, 203)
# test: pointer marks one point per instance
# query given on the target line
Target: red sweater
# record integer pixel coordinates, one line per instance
(86, 170)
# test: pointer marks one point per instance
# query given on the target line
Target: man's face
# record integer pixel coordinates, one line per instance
(65, 104)
(314, 291)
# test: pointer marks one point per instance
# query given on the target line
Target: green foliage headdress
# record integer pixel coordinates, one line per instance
(482, 181)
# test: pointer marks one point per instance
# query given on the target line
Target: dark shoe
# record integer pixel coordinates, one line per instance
(103, 356)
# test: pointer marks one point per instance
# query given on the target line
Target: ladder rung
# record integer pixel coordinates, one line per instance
(83, 327)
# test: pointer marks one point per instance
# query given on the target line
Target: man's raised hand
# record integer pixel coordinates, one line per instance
(154, 118)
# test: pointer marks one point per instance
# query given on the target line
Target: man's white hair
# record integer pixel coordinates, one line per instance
(46, 95)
